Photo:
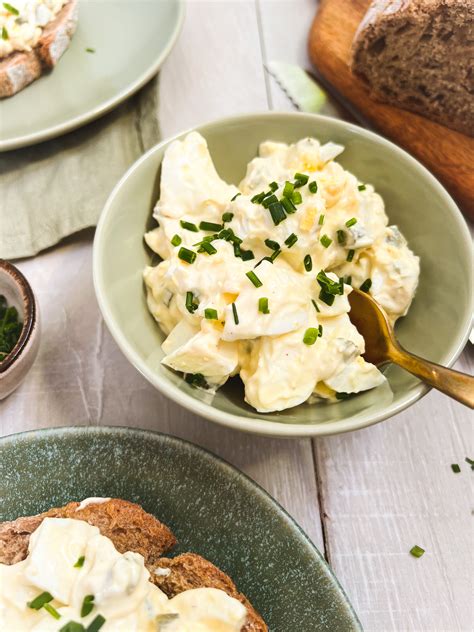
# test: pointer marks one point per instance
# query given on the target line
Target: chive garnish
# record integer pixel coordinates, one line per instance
(206, 246)
(234, 313)
(326, 241)
(308, 263)
(361, 187)
(296, 198)
(11, 8)
(417, 551)
(315, 305)
(96, 624)
(275, 255)
(52, 610)
(288, 205)
(80, 562)
(263, 305)
(189, 226)
(187, 255)
(350, 255)
(87, 605)
(196, 380)
(351, 222)
(273, 245)
(301, 179)
(227, 217)
(39, 601)
(191, 306)
(348, 280)
(343, 395)
(291, 240)
(341, 237)
(273, 186)
(288, 189)
(176, 240)
(258, 199)
(455, 467)
(277, 213)
(311, 335)
(210, 313)
(254, 278)
(320, 329)
(246, 255)
(268, 201)
(329, 288)
(313, 186)
(4, 34)
(235, 197)
(321, 220)
(90, 50)
(366, 285)
(470, 461)
(72, 626)
(210, 226)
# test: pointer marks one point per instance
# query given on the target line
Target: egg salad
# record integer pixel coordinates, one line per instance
(254, 279)
(75, 580)
(23, 21)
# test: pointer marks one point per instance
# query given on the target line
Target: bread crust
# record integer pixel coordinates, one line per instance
(22, 68)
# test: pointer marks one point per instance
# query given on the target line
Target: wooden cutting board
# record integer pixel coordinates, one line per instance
(445, 152)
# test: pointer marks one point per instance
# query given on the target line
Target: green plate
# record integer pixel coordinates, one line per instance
(131, 39)
(436, 327)
(212, 508)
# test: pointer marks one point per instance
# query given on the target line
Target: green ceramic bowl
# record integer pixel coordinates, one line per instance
(212, 508)
(436, 327)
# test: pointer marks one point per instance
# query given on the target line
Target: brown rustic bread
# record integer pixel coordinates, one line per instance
(128, 526)
(193, 571)
(418, 55)
(21, 68)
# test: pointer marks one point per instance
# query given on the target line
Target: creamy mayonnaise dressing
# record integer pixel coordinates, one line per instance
(334, 230)
(22, 22)
(118, 583)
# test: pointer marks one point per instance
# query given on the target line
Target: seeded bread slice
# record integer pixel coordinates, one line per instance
(418, 55)
(189, 571)
(21, 68)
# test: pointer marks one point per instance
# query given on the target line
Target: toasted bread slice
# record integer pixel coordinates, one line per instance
(21, 68)
(193, 571)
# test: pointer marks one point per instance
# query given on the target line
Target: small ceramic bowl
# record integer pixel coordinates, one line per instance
(436, 327)
(18, 362)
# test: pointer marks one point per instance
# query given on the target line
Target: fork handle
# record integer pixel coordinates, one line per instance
(457, 385)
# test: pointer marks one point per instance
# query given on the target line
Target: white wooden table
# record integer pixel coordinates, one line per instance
(364, 498)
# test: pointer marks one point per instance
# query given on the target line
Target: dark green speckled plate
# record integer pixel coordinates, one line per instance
(212, 508)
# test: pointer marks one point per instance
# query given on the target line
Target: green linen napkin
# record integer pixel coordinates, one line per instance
(54, 189)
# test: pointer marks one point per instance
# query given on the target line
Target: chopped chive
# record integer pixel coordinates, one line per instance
(176, 240)
(189, 226)
(351, 222)
(308, 263)
(191, 306)
(196, 380)
(268, 201)
(39, 601)
(361, 187)
(237, 251)
(273, 186)
(235, 197)
(470, 461)
(80, 562)
(96, 624)
(87, 605)
(321, 220)
(246, 255)
(206, 246)
(228, 217)
(320, 330)
(455, 467)
(417, 551)
(350, 255)
(211, 227)
(234, 313)
(11, 8)
(329, 288)
(273, 245)
(311, 335)
(315, 305)
(52, 610)
(210, 313)
(277, 213)
(288, 189)
(275, 255)
(341, 237)
(296, 198)
(254, 278)
(313, 186)
(90, 50)
(187, 255)
(258, 199)
(4, 34)
(326, 241)
(301, 179)
(343, 395)
(288, 205)
(72, 626)
(263, 305)
(366, 285)
(348, 280)
(291, 240)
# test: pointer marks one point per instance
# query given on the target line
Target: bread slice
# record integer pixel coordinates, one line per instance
(132, 529)
(418, 55)
(21, 68)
